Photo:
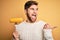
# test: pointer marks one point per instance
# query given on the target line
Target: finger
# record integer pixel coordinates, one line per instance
(54, 27)
(45, 26)
(48, 25)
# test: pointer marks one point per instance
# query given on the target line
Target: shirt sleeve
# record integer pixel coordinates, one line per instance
(48, 34)
(17, 27)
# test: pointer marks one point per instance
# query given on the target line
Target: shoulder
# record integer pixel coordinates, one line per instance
(18, 26)
(42, 22)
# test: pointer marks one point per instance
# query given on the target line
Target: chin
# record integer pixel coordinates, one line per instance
(33, 20)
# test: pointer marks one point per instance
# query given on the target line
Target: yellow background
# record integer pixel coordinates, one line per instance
(49, 11)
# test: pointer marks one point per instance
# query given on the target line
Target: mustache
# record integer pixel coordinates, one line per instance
(34, 15)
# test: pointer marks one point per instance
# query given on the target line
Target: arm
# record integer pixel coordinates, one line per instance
(47, 32)
(15, 35)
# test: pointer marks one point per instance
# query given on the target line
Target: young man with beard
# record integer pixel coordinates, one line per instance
(31, 29)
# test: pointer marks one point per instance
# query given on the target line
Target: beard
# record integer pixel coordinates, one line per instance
(30, 19)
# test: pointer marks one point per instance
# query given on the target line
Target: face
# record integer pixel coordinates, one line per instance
(32, 13)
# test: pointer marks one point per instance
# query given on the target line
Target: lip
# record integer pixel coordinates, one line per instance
(33, 15)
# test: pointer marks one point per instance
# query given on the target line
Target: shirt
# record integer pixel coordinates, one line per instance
(33, 31)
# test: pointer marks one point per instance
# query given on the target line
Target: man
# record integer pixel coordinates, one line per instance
(31, 29)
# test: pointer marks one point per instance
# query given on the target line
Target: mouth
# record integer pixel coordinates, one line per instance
(34, 15)
(33, 18)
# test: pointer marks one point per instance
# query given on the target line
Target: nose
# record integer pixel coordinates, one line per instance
(35, 11)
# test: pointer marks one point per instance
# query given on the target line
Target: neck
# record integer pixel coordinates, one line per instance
(30, 21)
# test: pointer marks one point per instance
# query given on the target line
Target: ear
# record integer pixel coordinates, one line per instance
(25, 11)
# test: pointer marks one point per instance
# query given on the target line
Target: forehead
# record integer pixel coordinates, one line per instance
(33, 6)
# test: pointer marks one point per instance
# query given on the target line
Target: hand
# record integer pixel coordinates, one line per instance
(47, 26)
(16, 35)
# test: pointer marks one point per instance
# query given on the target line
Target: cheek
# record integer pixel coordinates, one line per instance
(30, 12)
